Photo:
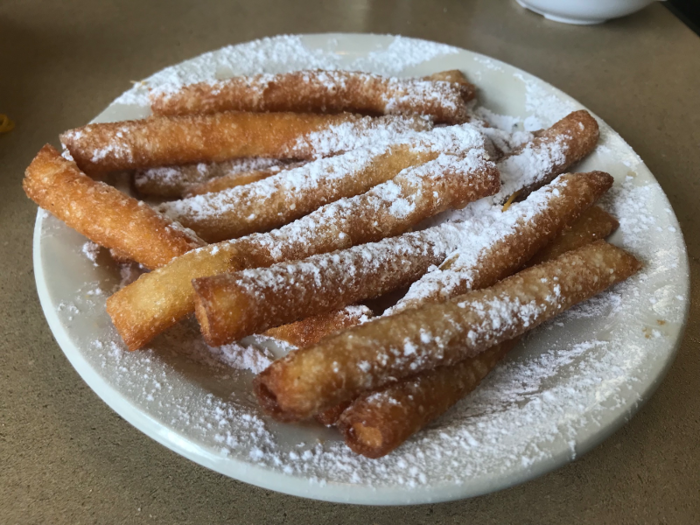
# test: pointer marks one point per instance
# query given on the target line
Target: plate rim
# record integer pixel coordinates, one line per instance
(335, 491)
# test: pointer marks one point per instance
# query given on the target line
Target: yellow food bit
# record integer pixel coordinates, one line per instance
(6, 125)
(447, 264)
(510, 200)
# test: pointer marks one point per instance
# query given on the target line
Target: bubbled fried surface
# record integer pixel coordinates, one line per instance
(313, 379)
(443, 99)
(103, 214)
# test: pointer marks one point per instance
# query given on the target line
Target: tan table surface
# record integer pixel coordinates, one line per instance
(65, 457)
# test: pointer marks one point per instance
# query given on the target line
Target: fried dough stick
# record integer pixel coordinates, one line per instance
(233, 305)
(538, 162)
(104, 214)
(173, 182)
(232, 180)
(275, 201)
(367, 357)
(469, 269)
(378, 422)
(163, 141)
(321, 92)
(187, 181)
(453, 75)
(386, 210)
(160, 299)
(593, 224)
(552, 152)
(282, 198)
(313, 329)
(389, 209)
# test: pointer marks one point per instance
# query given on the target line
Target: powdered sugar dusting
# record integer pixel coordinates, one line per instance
(180, 178)
(548, 397)
(484, 226)
(91, 251)
(529, 165)
(308, 179)
(541, 101)
(358, 134)
(400, 201)
(242, 357)
(401, 54)
(280, 54)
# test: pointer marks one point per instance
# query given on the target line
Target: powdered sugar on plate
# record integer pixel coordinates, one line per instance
(281, 54)
(401, 54)
(550, 399)
(542, 102)
(91, 251)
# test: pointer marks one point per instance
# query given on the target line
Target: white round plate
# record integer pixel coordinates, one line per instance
(566, 388)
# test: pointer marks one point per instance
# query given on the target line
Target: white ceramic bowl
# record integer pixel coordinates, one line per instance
(584, 11)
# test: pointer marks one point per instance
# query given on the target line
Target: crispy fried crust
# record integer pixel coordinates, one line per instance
(104, 214)
(343, 277)
(159, 299)
(378, 422)
(565, 143)
(447, 182)
(323, 91)
(313, 329)
(595, 223)
(458, 77)
(225, 182)
(386, 210)
(367, 357)
(174, 182)
(276, 201)
(119, 257)
(330, 416)
(231, 306)
(407, 258)
(575, 193)
(165, 141)
(230, 181)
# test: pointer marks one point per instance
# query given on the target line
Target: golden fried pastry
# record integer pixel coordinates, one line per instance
(442, 99)
(231, 306)
(103, 214)
(388, 209)
(174, 182)
(165, 141)
(338, 368)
